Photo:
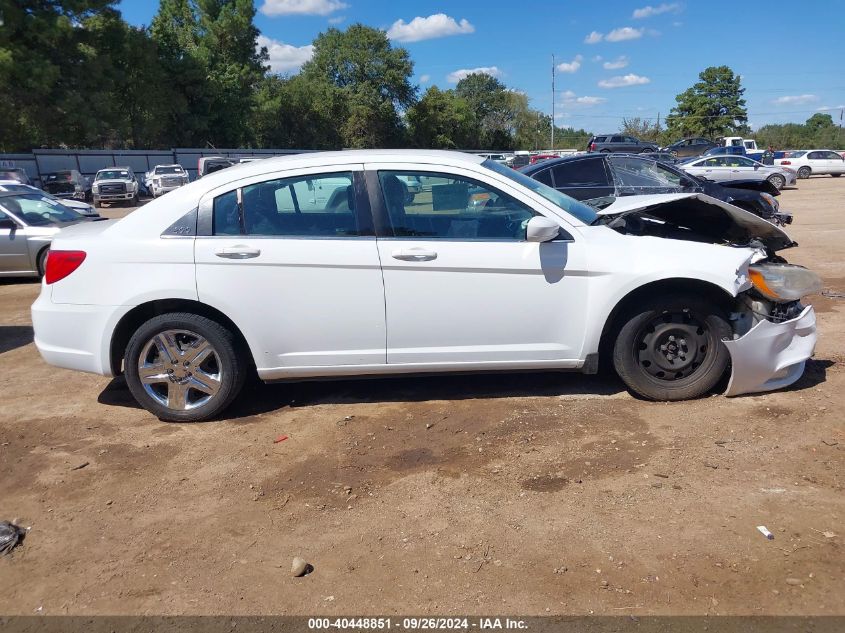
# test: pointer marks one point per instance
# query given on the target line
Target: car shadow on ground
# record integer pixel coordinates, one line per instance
(14, 336)
(258, 397)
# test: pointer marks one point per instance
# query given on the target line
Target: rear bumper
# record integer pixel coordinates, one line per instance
(771, 355)
(75, 336)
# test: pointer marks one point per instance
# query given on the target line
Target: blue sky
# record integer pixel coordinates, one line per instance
(614, 59)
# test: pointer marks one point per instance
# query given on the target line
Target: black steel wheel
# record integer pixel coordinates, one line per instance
(671, 348)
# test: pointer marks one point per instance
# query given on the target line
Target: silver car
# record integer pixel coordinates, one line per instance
(83, 208)
(723, 169)
(28, 223)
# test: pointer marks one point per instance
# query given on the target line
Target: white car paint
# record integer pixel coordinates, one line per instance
(818, 161)
(328, 306)
(164, 178)
(725, 168)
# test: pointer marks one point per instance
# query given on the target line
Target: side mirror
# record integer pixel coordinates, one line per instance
(8, 224)
(541, 229)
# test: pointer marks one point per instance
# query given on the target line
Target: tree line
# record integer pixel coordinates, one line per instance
(75, 74)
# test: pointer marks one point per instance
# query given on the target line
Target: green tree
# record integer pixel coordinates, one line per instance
(713, 107)
(441, 120)
(370, 77)
(495, 109)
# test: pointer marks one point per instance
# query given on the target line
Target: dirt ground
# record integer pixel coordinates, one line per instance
(507, 494)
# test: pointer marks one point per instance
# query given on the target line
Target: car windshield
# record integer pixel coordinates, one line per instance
(38, 210)
(631, 173)
(586, 214)
(169, 170)
(113, 174)
(59, 176)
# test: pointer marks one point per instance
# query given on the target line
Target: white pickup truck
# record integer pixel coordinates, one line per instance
(748, 144)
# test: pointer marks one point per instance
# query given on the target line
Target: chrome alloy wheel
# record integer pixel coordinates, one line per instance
(180, 370)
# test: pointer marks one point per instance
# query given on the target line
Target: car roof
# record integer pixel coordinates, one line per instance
(316, 159)
(114, 168)
(551, 162)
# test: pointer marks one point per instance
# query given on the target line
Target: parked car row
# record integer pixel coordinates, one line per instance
(816, 162)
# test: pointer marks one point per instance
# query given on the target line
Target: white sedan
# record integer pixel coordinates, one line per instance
(814, 163)
(726, 168)
(249, 269)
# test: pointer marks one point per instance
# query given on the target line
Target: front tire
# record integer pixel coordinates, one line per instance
(671, 348)
(777, 180)
(804, 173)
(182, 367)
(836, 175)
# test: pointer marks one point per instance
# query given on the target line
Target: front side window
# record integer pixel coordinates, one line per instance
(451, 207)
(301, 206)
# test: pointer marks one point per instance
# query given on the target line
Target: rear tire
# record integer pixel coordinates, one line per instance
(836, 175)
(42, 261)
(182, 367)
(777, 180)
(605, 151)
(804, 173)
(671, 348)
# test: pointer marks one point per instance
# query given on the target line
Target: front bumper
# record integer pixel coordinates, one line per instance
(771, 355)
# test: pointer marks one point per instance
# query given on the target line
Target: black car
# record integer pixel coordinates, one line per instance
(689, 147)
(67, 184)
(608, 143)
(597, 178)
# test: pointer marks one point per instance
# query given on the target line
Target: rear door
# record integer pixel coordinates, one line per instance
(291, 258)
(14, 252)
(742, 168)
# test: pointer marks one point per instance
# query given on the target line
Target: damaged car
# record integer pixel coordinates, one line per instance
(599, 179)
(680, 293)
(67, 184)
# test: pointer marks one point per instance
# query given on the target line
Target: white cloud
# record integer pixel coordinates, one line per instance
(593, 38)
(624, 33)
(648, 11)
(571, 67)
(455, 77)
(285, 58)
(619, 62)
(624, 80)
(826, 108)
(569, 98)
(424, 79)
(301, 7)
(796, 99)
(437, 25)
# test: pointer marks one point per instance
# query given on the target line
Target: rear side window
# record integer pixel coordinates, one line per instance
(581, 173)
(303, 206)
(544, 176)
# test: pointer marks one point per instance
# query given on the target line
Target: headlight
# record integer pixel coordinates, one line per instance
(771, 200)
(95, 188)
(784, 282)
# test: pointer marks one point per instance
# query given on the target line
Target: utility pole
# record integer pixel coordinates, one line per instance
(553, 103)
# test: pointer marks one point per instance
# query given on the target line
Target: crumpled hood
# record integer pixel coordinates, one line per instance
(704, 215)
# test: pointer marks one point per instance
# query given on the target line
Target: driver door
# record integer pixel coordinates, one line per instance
(463, 288)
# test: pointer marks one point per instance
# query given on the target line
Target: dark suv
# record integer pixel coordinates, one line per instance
(619, 143)
(688, 147)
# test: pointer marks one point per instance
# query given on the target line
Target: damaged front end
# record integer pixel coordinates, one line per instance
(774, 334)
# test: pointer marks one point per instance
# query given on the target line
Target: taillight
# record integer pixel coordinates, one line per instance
(62, 263)
(785, 162)
(592, 147)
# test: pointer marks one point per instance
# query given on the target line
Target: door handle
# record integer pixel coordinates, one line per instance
(414, 255)
(238, 252)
